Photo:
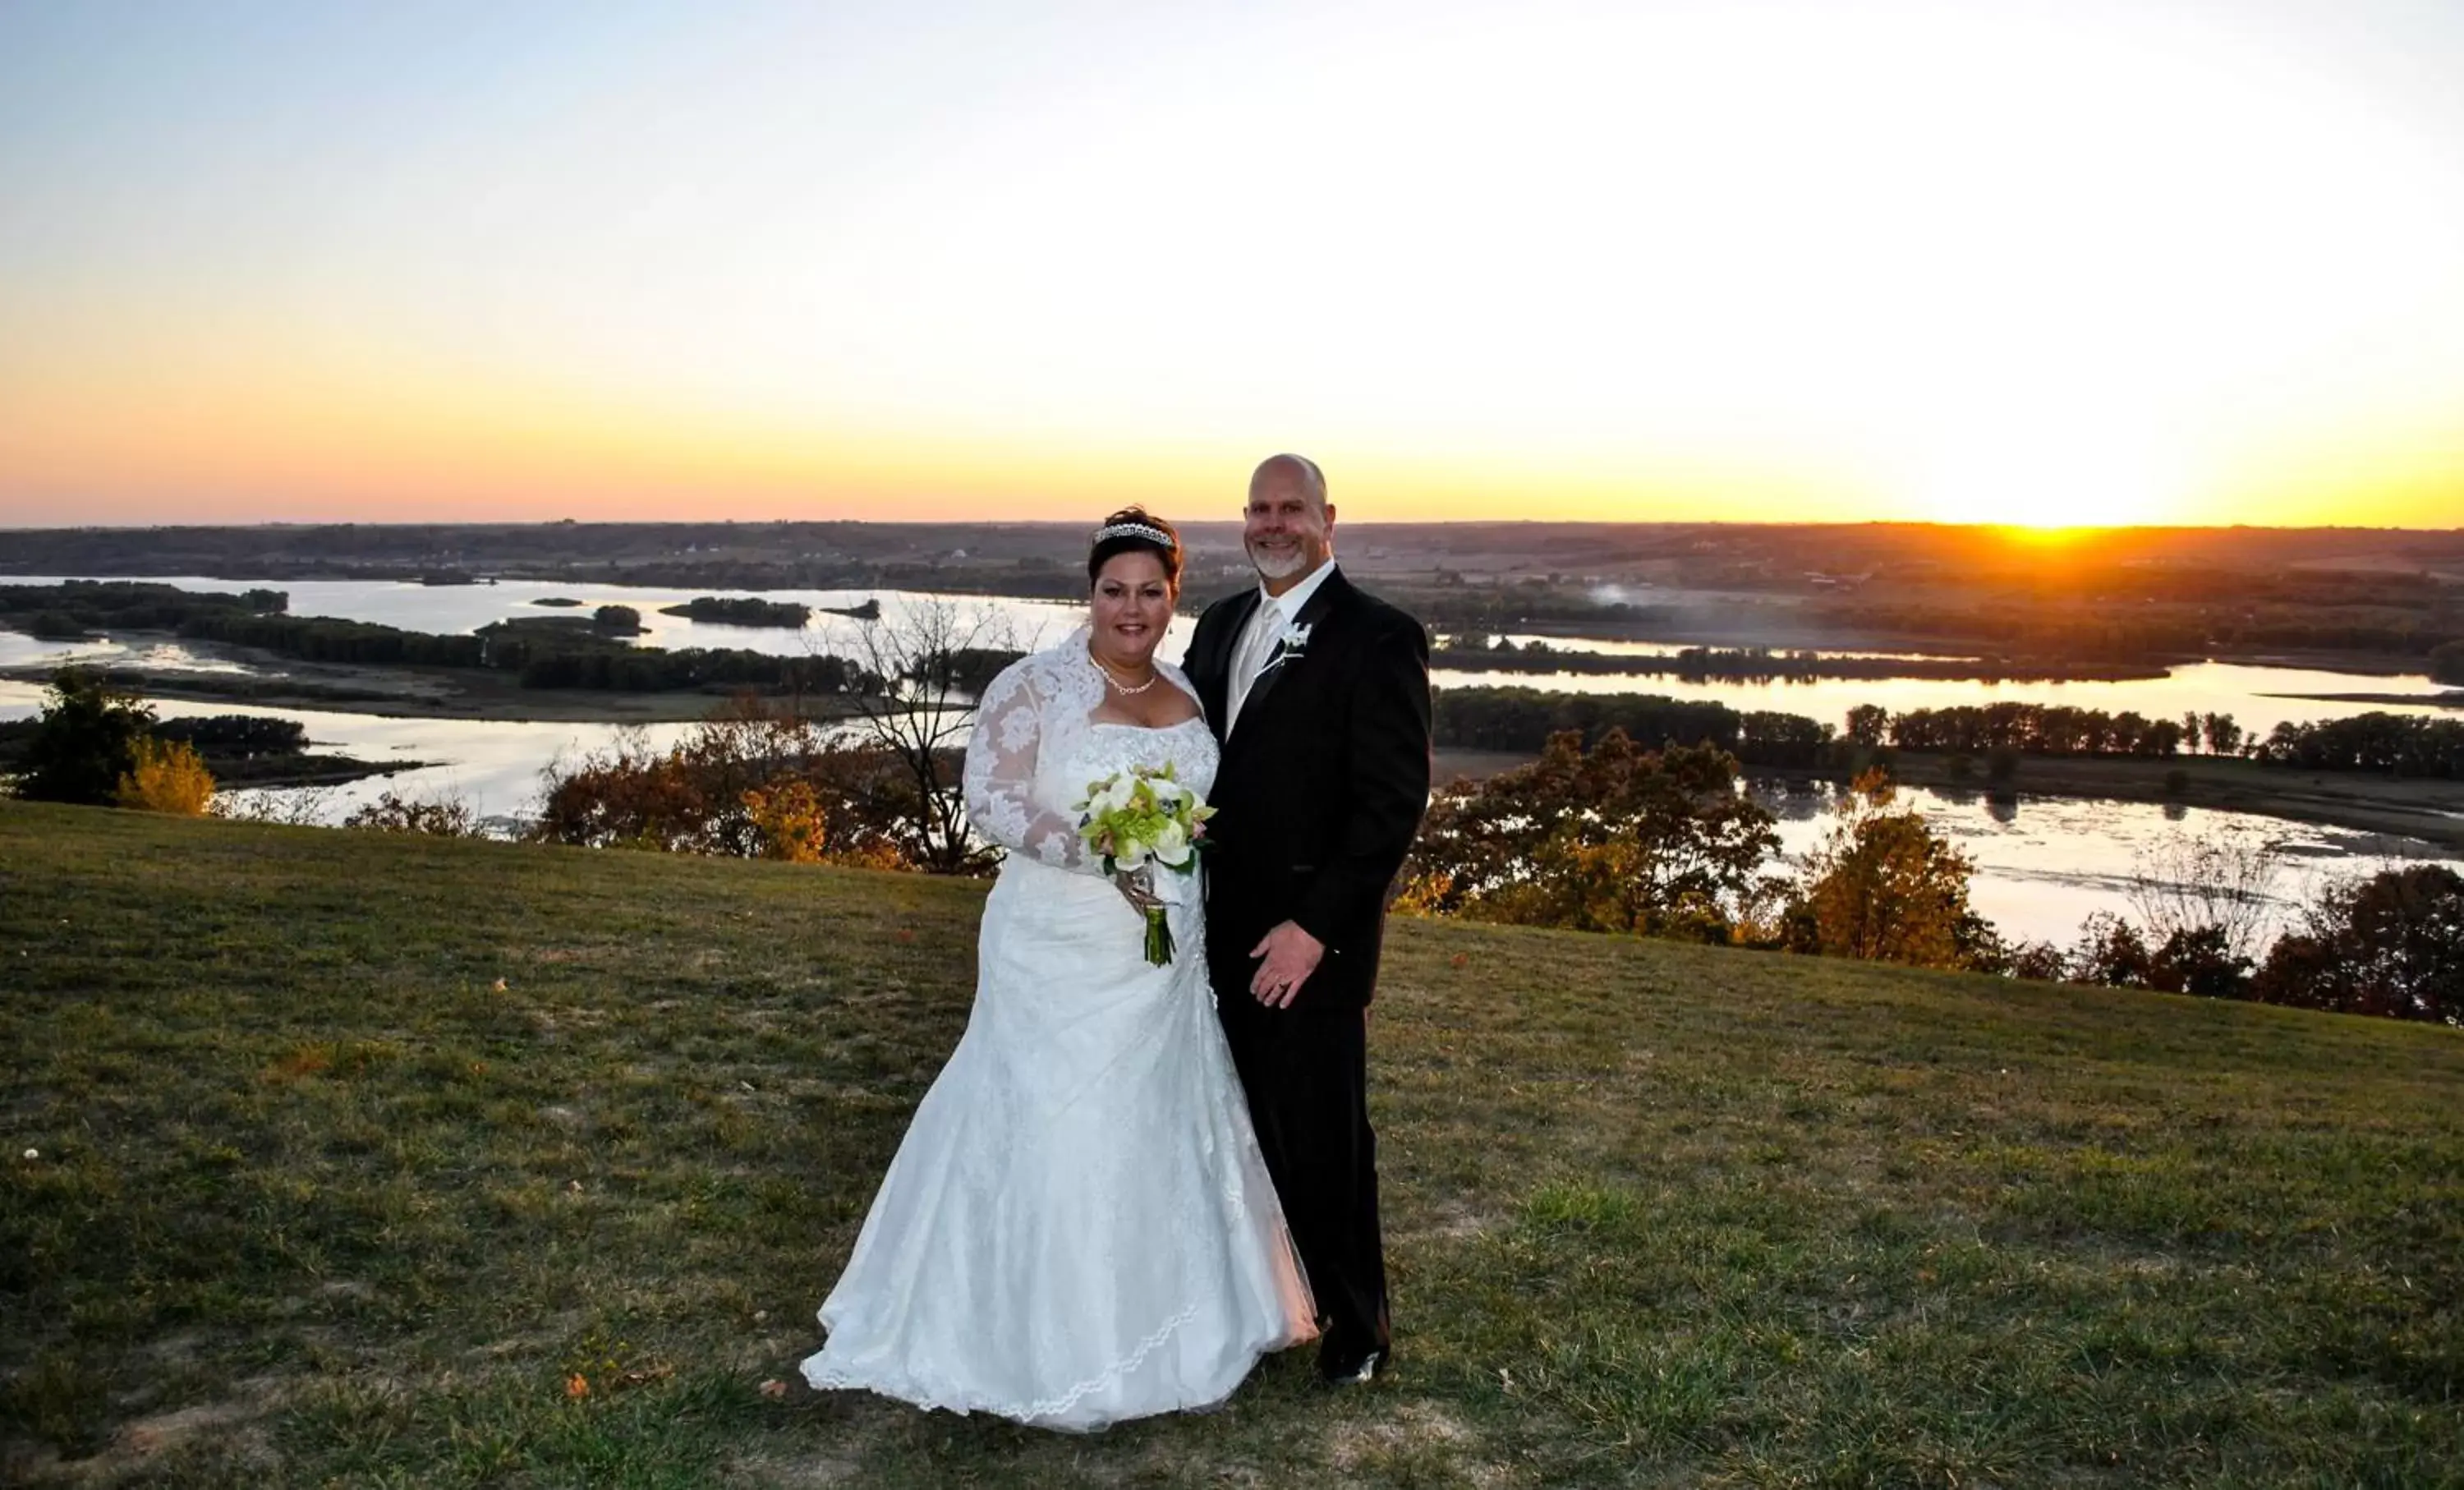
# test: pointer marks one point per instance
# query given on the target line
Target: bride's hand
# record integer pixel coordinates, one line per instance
(1137, 888)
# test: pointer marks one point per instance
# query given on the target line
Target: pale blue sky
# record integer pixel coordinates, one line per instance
(1931, 261)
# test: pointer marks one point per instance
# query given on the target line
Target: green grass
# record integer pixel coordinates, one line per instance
(319, 1202)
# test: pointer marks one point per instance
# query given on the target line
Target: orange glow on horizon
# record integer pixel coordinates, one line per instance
(353, 438)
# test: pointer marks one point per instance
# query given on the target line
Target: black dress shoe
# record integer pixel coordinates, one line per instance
(1343, 1368)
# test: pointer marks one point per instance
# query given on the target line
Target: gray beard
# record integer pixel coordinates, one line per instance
(1280, 568)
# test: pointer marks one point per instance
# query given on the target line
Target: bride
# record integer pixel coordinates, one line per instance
(1078, 1227)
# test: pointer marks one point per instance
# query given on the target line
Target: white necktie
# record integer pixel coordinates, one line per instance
(1264, 628)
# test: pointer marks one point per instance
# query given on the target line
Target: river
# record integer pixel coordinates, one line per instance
(2044, 864)
(2258, 698)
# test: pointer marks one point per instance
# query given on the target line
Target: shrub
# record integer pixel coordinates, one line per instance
(2199, 960)
(165, 775)
(794, 822)
(751, 782)
(447, 818)
(1883, 886)
(2042, 961)
(84, 743)
(2192, 958)
(2110, 951)
(2392, 944)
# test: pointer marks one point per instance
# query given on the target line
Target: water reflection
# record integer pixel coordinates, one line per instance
(20, 651)
(2045, 863)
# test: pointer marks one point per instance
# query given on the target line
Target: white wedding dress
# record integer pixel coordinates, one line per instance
(1078, 1227)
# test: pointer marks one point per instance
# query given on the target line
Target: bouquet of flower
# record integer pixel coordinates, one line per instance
(1139, 818)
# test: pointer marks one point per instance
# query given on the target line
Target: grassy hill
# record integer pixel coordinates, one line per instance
(355, 1152)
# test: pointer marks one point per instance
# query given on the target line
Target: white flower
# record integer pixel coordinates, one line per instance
(33, 1154)
(1172, 846)
(1298, 637)
(1130, 858)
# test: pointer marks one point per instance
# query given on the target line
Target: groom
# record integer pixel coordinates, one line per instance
(1320, 697)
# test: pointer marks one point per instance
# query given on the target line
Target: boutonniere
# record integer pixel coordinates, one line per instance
(1291, 648)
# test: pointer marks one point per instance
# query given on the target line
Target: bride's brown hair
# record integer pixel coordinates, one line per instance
(1136, 529)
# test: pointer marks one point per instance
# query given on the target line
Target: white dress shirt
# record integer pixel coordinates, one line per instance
(1268, 625)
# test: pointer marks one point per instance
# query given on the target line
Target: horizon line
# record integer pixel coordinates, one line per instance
(2024, 531)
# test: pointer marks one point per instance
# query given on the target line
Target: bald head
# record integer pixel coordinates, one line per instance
(1292, 467)
(1288, 526)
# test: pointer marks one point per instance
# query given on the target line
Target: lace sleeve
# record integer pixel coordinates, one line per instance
(1000, 777)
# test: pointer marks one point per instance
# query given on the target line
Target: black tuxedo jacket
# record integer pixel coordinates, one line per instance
(1321, 784)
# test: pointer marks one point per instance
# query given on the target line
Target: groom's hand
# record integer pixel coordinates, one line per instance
(1291, 955)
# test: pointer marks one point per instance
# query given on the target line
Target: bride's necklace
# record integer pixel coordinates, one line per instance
(1114, 678)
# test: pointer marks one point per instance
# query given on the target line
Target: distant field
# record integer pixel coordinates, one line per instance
(354, 1152)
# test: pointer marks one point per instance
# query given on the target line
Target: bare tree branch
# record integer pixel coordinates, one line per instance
(929, 663)
(2222, 879)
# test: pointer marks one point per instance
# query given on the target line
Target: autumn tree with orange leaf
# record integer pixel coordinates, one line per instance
(1883, 886)
(165, 775)
(1610, 839)
(754, 781)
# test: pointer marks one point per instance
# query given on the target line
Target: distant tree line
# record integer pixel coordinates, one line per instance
(2370, 622)
(1469, 607)
(2030, 729)
(1758, 664)
(1528, 720)
(240, 736)
(80, 608)
(328, 640)
(2391, 744)
(1525, 719)
(637, 669)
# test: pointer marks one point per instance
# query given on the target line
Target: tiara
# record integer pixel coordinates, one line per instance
(1133, 530)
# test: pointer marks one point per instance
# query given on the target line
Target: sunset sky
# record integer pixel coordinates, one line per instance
(2199, 261)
